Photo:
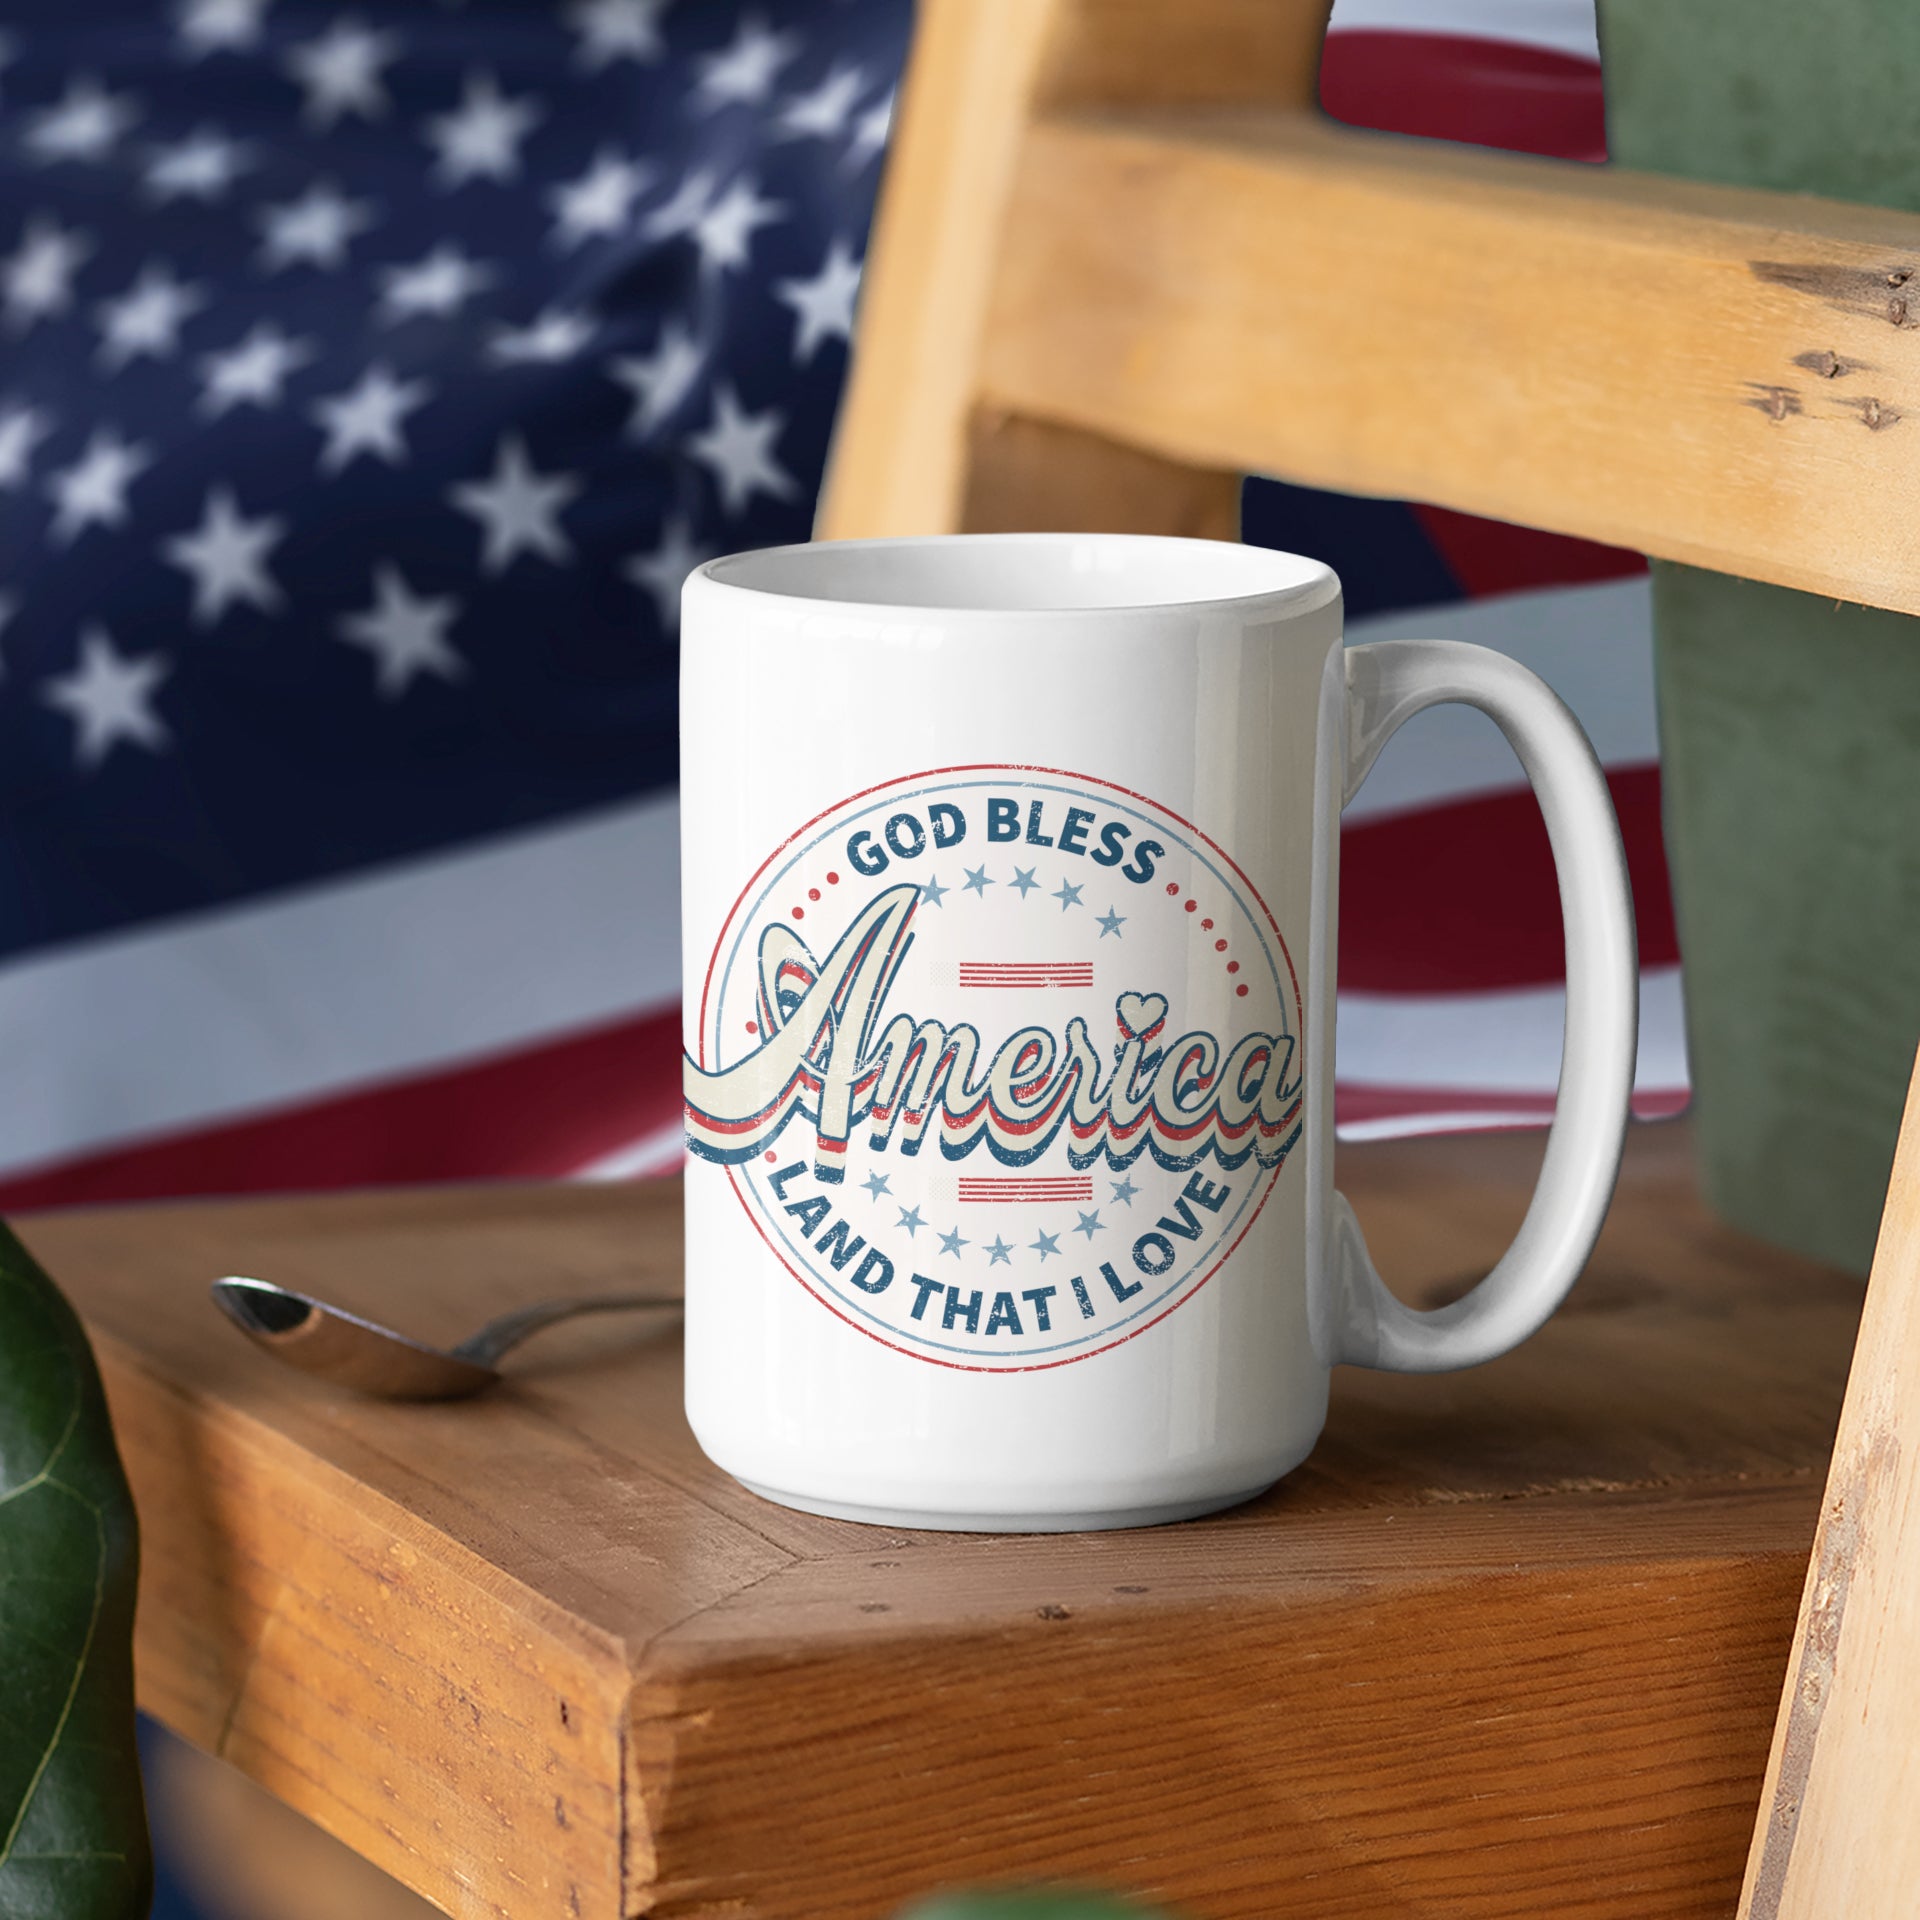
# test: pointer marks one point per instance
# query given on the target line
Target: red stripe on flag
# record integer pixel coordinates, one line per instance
(1462, 898)
(1490, 556)
(536, 1113)
(1037, 1187)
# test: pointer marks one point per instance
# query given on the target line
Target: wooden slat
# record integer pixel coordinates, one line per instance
(1715, 375)
(1836, 1833)
(1508, 1643)
(978, 69)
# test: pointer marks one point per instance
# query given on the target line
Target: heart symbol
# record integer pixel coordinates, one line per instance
(1141, 1015)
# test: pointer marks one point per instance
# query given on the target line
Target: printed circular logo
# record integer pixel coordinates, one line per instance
(1002, 1062)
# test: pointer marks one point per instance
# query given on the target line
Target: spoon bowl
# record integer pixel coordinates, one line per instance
(349, 1350)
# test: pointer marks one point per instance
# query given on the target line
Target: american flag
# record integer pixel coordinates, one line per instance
(370, 377)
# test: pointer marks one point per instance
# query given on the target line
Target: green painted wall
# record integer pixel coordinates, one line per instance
(1790, 728)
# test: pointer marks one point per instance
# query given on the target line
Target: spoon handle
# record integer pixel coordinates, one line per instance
(485, 1347)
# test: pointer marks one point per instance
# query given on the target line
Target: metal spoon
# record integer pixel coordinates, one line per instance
(361, 1354)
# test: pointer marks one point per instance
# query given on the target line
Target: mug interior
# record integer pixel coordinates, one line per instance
(1025, 572)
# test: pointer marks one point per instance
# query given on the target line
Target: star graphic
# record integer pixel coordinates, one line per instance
(1090, 1224)
(1066, 895)
(1046, 1246)
(253, 373)
(1123, 1191)
(825, 111)
(550, 337)
(226, 555)
(600, 201)
(1111, 923)
(1024, 880)
(661, 380)
(439, 283)
(109, 698)
(93, 491)
(406, 633)
(147, 318)
(36, 279)
(681, 212)
(368, 418)
(871, 133)
(201, 166)
(218, 26)
(911, 1221)
(663, 572)
(1001, 1252)
(85, 124)
(518, 509)
(933, 893)
(875, 1183)
(341, 71)
(824, 304)
(613, 30)
(315, 230)
(952, 1243)
(22, 428)
(736, 447)
(745, 70)
(977, 881)
(724, 232)
(480, 139)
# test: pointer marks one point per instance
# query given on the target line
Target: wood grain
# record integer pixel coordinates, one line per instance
(1509, 1642)
(1836, 1833)
(1715, 375)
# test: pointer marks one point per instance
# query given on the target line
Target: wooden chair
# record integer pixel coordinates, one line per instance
(1121, 260)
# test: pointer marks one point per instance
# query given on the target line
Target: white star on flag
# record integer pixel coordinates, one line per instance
(545, 340)
(599, 201)
(147, 318)
(823, 306)
(36, 279)
(406, 633)
(480, 139)
(22, 428)
(85, 124)
(368, 418)
(93, 491)
(109, 698)
(439, 284)
(315, 230)
(745, 70)
(341, 71)
(203, 165)
(218, 26)
(663, 572)
(724, 233)
(518, 509)
(681, 212)
(825, 111)
(736, 447)
(226, 556)
(661, 380)
(871, 132)
(253, 373)
(613, 30)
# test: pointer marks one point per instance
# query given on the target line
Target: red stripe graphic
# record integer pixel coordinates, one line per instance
(1026, 973)
(1006, 1187)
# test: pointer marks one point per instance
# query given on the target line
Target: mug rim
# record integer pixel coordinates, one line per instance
(1313, 584)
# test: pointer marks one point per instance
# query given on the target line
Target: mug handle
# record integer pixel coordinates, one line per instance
(1388, 682)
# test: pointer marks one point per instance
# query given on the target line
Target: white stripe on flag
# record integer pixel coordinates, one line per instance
(1495, 1042)
(421, 965)
(1592, 645)
(1563, 26)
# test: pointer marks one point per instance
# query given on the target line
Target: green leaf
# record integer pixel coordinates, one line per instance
(1028, 1906)
(73, 1826)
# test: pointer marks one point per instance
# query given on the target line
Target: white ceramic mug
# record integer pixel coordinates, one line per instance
(1010, 876)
